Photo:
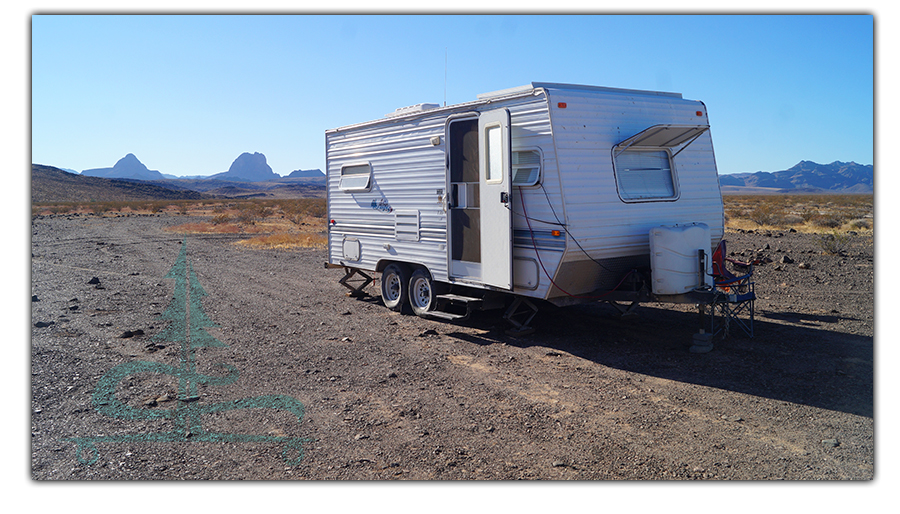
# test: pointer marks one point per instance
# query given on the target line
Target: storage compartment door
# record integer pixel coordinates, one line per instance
(495, 196)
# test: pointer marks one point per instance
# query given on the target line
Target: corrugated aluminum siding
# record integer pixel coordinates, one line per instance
(606, 226)
(407, 173)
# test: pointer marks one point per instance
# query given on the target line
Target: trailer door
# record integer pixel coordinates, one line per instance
(495, 196)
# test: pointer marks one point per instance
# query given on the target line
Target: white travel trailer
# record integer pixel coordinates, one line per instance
(557, 192)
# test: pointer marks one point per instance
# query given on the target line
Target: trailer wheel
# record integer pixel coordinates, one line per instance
(394, 286)
(421, 292)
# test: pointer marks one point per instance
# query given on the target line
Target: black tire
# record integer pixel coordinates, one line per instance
(421, 292)
(395, 286)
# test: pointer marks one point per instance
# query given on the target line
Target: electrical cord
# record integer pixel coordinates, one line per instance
(541, 262)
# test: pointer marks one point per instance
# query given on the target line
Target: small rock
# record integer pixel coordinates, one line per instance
(792, 230)
(804, 265)
(361, 436)
(786, 260)
(34, 298)
(94, 280)
(558, 464)
(429, 332)
(152, 347)
(392, 375)
(831, 443)
(734, 419)
(346, 340)
(43, 324)
(131, 333)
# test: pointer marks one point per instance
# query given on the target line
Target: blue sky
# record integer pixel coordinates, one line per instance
(188, 94)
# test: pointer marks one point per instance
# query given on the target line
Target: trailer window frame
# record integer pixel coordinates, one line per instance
(532, 181)
(626, 185)
(351, 177)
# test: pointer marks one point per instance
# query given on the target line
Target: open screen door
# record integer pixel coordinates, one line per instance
(495, 196)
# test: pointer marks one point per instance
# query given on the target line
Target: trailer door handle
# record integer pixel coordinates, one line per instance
(504, 197)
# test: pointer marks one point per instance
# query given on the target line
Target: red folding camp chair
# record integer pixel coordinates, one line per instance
(734, 295)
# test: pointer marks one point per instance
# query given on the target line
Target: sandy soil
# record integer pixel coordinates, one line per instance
(386, 396)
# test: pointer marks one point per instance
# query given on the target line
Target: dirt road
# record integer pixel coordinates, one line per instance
(284, 377)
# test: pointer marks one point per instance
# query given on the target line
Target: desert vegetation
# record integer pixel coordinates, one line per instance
(300, 222)
(820, 214)
(281, 223)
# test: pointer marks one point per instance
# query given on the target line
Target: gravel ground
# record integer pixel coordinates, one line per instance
(386, 396)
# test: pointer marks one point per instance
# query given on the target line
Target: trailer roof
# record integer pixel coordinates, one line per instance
(485, 98)
(552, 85)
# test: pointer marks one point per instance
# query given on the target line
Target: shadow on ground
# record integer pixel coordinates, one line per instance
(805, 360)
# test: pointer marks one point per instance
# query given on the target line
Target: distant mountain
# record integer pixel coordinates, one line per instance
(49, 184)
(127, 167)
(248, 168)
(316, 173)
(806, 177)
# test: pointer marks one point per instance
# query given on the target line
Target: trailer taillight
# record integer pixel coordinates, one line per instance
(699, 113)
(561, 105)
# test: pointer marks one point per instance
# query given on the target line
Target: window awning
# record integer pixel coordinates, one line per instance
(663, 136)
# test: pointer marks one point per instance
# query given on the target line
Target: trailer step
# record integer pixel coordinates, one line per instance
(447, 316)
(444, 301)
(459, 299)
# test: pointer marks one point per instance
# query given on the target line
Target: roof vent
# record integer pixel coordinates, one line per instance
(412, 109)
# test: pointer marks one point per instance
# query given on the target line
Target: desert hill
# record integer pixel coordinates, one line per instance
(805, 177)
(126, 167)
(248, 168)
(49, 184)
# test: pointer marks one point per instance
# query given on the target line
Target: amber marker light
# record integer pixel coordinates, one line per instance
(556, 233)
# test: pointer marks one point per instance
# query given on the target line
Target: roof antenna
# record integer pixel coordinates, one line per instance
(445, 76)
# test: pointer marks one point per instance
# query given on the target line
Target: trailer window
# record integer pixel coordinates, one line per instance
(526, 167)
(356, 178)
(644, 174)
(494, 147)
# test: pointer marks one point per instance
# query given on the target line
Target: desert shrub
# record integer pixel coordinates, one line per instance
(284, 240)
(766, 214)
(297, 208)
(252, 211)
(219, 219)
(810, 215)
(833, 243)
(793, 219)
(860, 224)
(832, 220)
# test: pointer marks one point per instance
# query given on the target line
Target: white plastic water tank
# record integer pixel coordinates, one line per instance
(674, 258)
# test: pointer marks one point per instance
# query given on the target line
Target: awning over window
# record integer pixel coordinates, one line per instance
(662, 136)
